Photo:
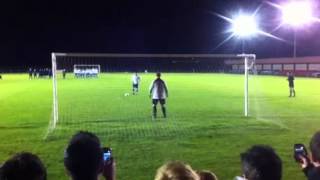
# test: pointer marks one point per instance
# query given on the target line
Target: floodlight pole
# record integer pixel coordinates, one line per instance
(294, 43)
(242, 45)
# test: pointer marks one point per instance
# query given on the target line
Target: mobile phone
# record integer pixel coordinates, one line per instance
(106, 153)
(299, 150)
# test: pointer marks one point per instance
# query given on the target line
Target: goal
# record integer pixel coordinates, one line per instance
(80, 68)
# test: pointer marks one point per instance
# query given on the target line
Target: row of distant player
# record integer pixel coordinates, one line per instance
(36, 73)
(92, 72)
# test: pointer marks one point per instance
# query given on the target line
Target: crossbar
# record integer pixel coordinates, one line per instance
(115, 55)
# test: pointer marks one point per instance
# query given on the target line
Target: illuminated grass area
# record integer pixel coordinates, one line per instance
(205, 125)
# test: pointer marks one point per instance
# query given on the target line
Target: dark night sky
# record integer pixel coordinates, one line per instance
(31, 30)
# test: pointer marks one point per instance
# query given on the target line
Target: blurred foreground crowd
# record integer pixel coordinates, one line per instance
(85, 159)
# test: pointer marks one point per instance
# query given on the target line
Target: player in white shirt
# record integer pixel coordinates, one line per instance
(135, 83)
(158, 93)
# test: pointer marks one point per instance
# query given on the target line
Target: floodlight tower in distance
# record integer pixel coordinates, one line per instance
(244, 27)
(297, 14)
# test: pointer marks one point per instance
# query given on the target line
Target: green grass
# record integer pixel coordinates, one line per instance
(205, 125)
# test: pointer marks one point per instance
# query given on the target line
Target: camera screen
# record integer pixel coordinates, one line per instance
(106, 155)
(300, 149)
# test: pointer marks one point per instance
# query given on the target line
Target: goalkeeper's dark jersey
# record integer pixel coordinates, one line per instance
(158, 89)
(291, 81)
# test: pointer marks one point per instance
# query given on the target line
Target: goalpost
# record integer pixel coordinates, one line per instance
(83, 61)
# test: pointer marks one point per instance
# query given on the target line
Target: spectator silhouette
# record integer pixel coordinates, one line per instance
(207, 175)
(84, 158)
(311, 166)
(23, 166)
(176, 170)
(261, 163)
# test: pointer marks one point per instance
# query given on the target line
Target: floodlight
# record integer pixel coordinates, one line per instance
(297, 13)
(244, 26)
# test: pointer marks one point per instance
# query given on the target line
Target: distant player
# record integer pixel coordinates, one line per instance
(135, 83)
(158, 93)
(50, 73)
(35, 73)
(64, 74)
(30, 73)
(291, 84)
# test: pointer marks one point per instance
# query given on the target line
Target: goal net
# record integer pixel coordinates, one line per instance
(94, 91)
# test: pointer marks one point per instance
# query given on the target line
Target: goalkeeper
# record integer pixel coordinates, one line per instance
(158, 93)
(291, 84)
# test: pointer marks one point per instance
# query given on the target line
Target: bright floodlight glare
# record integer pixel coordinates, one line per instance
(244, 26)
(297, 13)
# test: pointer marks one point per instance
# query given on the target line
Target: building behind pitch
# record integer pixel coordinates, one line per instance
(301, 66)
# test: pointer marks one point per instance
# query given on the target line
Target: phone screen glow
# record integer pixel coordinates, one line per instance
(106, 155)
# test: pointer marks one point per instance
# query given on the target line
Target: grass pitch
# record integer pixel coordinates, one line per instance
(205, 125)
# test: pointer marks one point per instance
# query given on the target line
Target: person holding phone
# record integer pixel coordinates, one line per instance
(84, 158)
(311, 164)
(109, 165)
